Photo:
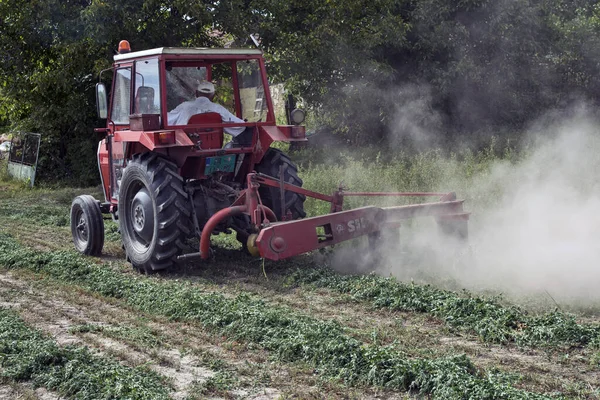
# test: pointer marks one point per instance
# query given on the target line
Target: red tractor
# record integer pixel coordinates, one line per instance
(166, 181)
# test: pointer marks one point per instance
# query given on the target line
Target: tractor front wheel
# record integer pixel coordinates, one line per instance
(87, 225)
(154, 212)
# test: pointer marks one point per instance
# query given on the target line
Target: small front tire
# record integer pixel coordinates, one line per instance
(87, 225)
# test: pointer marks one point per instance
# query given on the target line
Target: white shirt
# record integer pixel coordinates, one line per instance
(181, 114)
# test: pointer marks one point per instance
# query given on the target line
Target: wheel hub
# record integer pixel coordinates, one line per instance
(142, 215)
(82, 228)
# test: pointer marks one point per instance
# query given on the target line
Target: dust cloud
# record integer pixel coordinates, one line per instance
(543, 234)
(535, 223)
(534, 228)
(415, 123)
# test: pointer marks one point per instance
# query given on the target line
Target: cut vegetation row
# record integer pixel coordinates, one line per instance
(73, 371)
(289, 335)
(196, 364)
(492, 321)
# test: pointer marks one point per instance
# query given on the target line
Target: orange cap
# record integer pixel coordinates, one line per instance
(124, 47)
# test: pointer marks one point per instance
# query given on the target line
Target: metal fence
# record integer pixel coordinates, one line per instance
(23, 156)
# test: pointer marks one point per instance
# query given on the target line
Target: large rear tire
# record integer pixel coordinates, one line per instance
(270, 165)
(87, 225)
(154, 212)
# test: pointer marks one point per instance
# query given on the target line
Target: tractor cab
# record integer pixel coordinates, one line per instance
(150, 88)
(155, 82)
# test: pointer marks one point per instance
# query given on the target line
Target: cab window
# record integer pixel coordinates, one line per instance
(252, 91)
(147, 88)
(121, 103)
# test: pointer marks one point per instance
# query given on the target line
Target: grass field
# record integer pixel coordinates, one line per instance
(80, 327)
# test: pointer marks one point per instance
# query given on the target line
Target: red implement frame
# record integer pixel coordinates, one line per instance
(280, 240)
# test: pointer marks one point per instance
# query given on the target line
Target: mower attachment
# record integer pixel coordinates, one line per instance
(280, 240)
(287, 239)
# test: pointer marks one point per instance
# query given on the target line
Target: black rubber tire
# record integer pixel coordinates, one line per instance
(270, 165)
(87, 225)
(160, 187)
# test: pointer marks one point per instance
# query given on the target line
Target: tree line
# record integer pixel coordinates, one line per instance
(388, 72)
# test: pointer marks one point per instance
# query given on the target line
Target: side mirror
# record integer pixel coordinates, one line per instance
(101, 103)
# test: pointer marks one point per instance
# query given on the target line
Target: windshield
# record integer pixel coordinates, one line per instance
(183, 79)
(182, 83)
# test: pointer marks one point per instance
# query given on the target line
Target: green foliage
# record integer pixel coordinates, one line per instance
(488, 318)
(429, 171)
(51, 53)
(28, 355)
(47, 81)
(41, 207)
(4, 176)
(40, 214)
(333, 54)
(287, 334)
(382, 72)
(497, 60)
(220, 382)
(397, 71)
(111, 231)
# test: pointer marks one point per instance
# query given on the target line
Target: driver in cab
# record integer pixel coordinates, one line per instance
(205, 92)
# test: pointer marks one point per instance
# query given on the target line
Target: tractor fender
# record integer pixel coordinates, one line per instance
(151, 141)
(277, 133)
(284, 133)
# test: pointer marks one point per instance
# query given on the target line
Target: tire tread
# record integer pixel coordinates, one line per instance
(172, 217)
(269, 165)
(89, 206)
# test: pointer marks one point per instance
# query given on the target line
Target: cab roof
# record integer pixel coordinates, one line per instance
(187, 51)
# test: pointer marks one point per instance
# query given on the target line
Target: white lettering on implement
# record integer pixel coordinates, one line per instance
(358, 224)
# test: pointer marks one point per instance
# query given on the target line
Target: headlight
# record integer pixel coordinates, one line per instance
(297, 116)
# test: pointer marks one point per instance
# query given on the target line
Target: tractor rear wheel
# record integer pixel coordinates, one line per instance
(87, 225)
(271, 165)
(154, 212)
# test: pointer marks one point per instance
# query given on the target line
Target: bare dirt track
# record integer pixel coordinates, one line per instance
(200, 363)
(15, 391)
